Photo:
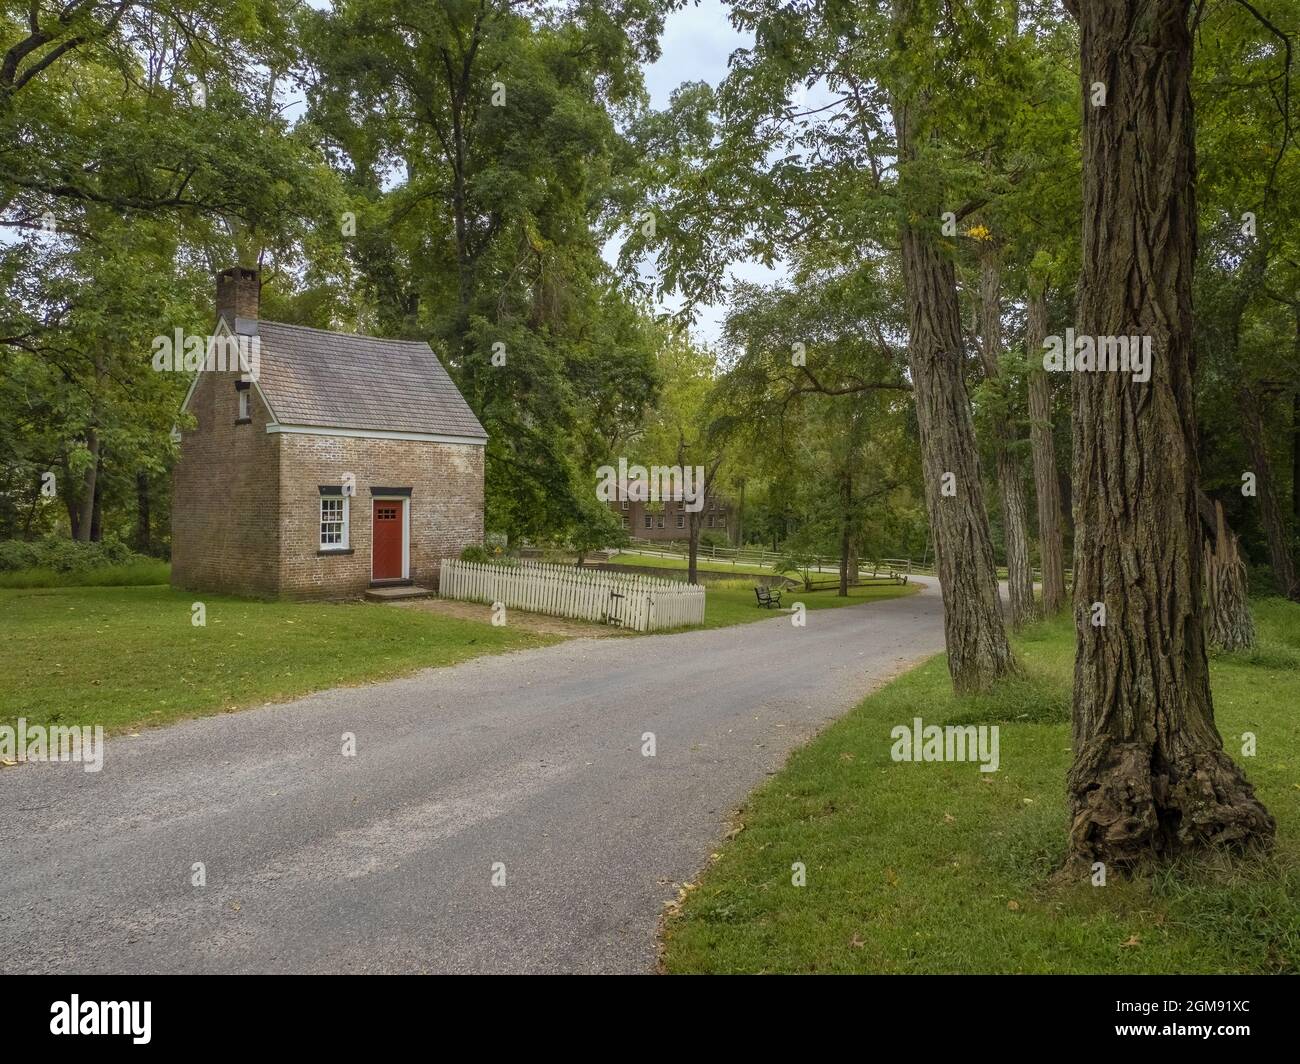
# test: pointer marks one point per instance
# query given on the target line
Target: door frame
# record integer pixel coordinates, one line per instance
(405, 500)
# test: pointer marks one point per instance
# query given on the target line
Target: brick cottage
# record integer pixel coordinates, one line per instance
(338, 464)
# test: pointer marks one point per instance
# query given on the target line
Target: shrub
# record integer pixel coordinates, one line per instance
(65, 555)
(475, 553)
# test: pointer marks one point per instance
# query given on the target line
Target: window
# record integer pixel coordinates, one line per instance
(334, 522)
(681, 520)
(627, 525)
(710, 520)
(244, 411)
(649, 521)
(624, 504)
(661, 520)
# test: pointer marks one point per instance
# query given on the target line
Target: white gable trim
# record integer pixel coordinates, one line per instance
(378, 434)
(223, 327)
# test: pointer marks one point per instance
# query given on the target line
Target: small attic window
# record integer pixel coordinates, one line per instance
(245, 405)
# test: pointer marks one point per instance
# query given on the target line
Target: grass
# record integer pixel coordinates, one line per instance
(126, 657)
(135, 574)
(937, 867)
(728, 602)
(655, 561)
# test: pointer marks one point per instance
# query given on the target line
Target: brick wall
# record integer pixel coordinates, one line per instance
(446, 503)
(225, 495)
(715, 507)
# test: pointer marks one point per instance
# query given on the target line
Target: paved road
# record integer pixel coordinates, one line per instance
(318, 862)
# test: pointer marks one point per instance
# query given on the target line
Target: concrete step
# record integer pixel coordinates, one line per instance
(395, 593)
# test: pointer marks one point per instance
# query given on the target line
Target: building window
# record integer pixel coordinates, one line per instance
(627, 525)
(244, 407)
(649, 521)
(334, 522)
(710, 520)
(624, 504)
(681, 520)
(661, 520)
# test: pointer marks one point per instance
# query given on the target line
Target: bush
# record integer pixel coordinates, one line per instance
(65, 555)
(475, 553)
(713, 539)
(133, 574)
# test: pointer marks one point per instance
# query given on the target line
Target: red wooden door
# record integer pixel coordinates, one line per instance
(387, 525)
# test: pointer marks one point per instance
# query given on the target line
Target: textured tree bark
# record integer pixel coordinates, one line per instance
(1015, 513)
(1228, 623)
(1047, 490)
(1150, 778)
(1275, 530)
(976, 639)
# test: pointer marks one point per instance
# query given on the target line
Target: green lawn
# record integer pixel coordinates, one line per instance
(126, 657)
(937, 867)
(730, 602)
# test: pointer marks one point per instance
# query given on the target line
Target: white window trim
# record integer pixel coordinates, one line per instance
(245, 404)
(346, 541)
(681, 520)
(405, 500)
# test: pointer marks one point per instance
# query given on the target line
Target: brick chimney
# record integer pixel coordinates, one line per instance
(239, 291)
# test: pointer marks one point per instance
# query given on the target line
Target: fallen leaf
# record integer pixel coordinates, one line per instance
(1013, 905)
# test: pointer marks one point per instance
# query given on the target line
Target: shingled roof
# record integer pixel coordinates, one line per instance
(326, 379)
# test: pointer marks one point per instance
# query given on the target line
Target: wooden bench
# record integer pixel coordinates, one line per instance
(768, 596)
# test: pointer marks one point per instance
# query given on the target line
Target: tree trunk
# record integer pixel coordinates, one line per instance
(846, 531)
(97, 510)
(976, 638)
(1279, 542)
(1228, 623)
(1015, 513)
(1047, 491)
(1295, 447)
(1150, 777)
(143, 533)
(693, 532)
(85, 516)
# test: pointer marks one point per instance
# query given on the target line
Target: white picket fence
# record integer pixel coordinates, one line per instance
(643, 603)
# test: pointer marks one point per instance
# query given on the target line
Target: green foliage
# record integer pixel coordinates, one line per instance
(64, 556)
(129, 574)
(479, 144)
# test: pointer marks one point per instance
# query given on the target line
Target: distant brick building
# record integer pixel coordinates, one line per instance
(350, 462)
(669, 519)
